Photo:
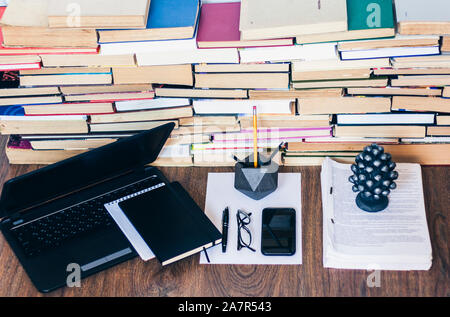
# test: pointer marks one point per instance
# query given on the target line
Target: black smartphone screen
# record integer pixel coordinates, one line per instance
(278, 231)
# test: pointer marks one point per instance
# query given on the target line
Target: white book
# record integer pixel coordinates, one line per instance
(80, 136)
(146, 104)
(420, 11)
(441, 61)
(124, 48)
(390, 52)
(43, 118)
(333, 139)
(32, 13)
(273, 142)
(195, 56)
(407, 41)
(386, 118)
(396, 238)
(264, 19)
(428, 139)
(19, 66)
(219, 1)
(337, 64)
(174, 151)
(216, 106)
(307, 52)
(99, 8)
(234, 146)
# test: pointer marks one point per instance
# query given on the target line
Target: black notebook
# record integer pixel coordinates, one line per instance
(165, 222)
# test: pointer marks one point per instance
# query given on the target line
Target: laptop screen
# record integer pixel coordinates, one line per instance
(83, 170)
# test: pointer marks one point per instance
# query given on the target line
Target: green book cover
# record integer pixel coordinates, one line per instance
(369, 14)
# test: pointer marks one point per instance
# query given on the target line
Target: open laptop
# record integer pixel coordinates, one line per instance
(54, 218)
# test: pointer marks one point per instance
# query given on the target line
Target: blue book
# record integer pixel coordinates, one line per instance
(167, 20)
(11, 111)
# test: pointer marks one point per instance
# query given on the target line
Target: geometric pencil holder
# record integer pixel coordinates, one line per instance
(259, 182)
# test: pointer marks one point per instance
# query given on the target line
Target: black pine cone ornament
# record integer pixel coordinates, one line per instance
(373, 177)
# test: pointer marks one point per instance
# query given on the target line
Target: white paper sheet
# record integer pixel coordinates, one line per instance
(221, 193)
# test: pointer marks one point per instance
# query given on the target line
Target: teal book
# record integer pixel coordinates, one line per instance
(366, 19)
(370, 14)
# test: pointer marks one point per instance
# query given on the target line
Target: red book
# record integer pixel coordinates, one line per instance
(39, 50)
(16, 142)
(219, 28)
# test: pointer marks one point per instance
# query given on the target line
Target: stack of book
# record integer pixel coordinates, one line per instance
(327, 78)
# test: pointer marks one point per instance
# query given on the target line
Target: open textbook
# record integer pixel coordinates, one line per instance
(396, 238)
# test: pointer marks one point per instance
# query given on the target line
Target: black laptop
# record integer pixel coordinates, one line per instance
(55, 216)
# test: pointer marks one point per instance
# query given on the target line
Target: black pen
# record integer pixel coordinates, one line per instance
(225, 219)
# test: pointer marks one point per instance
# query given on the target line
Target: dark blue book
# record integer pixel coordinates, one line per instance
(167, 20)
(11, 111)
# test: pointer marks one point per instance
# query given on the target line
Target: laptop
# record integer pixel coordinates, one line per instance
(54, 218)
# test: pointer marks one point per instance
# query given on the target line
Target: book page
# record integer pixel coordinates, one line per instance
(399, 229)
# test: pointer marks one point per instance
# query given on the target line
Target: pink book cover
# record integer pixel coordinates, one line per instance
(269, 130)
(120, 98)
(269, 137)
(219, 22)
(285, 139)
(16, 142)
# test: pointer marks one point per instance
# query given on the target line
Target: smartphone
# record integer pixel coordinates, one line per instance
(278, 231)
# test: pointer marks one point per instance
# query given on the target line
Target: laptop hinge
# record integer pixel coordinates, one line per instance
(11, 218)
(140, 169)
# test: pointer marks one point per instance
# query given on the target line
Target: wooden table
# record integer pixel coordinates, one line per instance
(188, 278)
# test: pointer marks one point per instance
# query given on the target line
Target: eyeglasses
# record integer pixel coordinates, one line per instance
(244, 234)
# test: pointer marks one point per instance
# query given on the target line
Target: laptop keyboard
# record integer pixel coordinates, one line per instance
(54, 229)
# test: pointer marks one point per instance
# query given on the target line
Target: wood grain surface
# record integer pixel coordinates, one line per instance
(188, 278)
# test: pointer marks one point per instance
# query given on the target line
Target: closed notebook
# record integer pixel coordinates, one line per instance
(165, 222)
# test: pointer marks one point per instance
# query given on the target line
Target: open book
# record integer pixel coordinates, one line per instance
(396, 238)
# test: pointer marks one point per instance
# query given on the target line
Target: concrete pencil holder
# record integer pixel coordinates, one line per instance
(258, 182)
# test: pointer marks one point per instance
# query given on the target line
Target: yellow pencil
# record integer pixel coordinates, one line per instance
(255, 138)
